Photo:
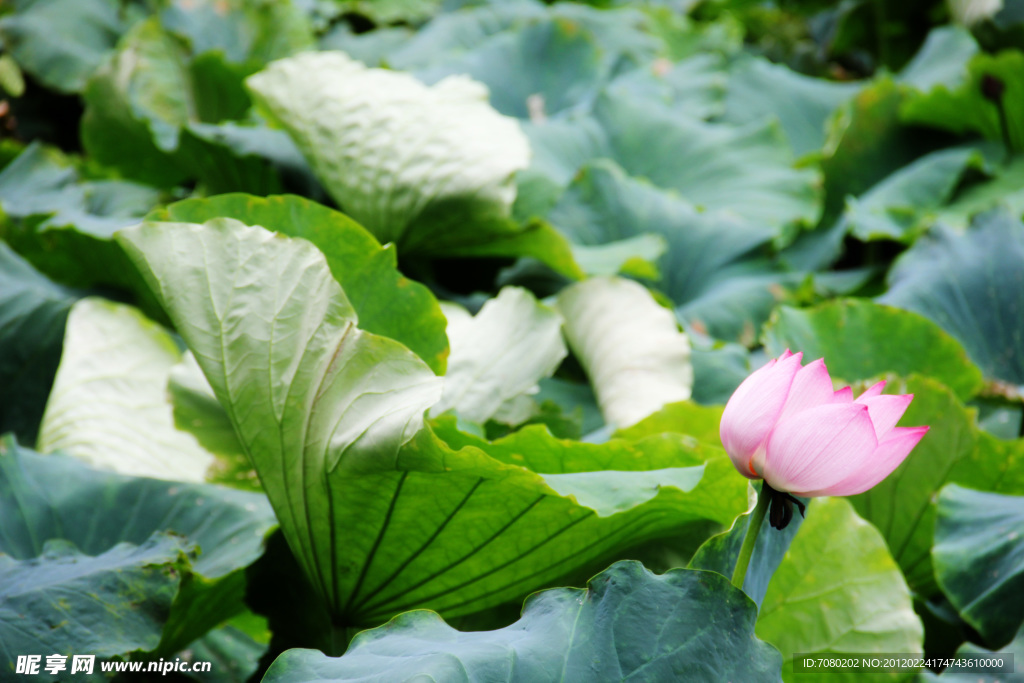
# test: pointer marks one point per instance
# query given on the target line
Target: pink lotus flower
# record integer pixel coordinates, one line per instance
(786, 425)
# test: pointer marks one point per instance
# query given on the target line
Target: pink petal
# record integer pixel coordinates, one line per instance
(819, 447)
(886, 410)
(871, 392)
(754, 408)
(886, 458)
(811, 387)
(844, 395)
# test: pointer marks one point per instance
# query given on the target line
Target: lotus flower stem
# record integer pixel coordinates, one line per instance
(753, 529)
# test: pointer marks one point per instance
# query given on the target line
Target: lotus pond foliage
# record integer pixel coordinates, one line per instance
(487, 340)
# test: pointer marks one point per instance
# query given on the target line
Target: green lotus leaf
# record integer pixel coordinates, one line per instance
(386, 302)
(631, 347)
(838, 590)
(108, 406)
(979, 559)
(972, 285)
(628, 624)
(499, 355)
(62, 42)
(447, 520)
(33, 311)
(389, 180)
(875, 340)
(92, 513)
(965, 108)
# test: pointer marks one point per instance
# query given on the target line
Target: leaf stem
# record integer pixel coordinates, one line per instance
(753, 529)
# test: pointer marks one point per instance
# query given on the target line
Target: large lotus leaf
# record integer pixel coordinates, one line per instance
(386, 302)
(627, 625)
(903, 505)
(972, 285)
(967, 109)
(758, 89)
(904, 205)
(994, 465)
(57, 497)
(719, 553)
(836, 591)
(685, 417)
(499, 354)
(242, 31)
(108, 406)
(942, 60)
(979, 559)
(33, 311)
(454, 527)
(390, 11)
(865, 143)
(139, 101)
(708, 269)
(542, 70)
(61, 42)
(874, 340)
(694, 87)
(747, 170)
(41, 183)
(1004, 190)
(391, 151)
(135, 104)
(65, 602)
(631, 347)
(951, 675)
(450, 34)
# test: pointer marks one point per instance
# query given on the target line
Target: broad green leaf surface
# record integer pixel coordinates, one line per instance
(372, 390)
(61, 42)
(972, 285)
(57, 497)
(838, 590)
(63, 601)
(33, 311)
(1004, 190)
(686, 417)
(153, 88)
(1016, 648)
(942, 60)
(386, 302)
(694, 87)
(135, 104)
(546, 68)
(747, 170)
(391, 151)
(632, 349)
(707, 269)
(499, 354)
(233, 653)
(389, 11)
(902, 506)
(108, 406)
(979, 559)
(865, 143)
(242, 31)
(719, 553)
(872, 340)
(994, 465)
(449, 521)
(197, 411)
(43, 184)
(904, 205)
(627, 625)
(965, 109)
(758, 89)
